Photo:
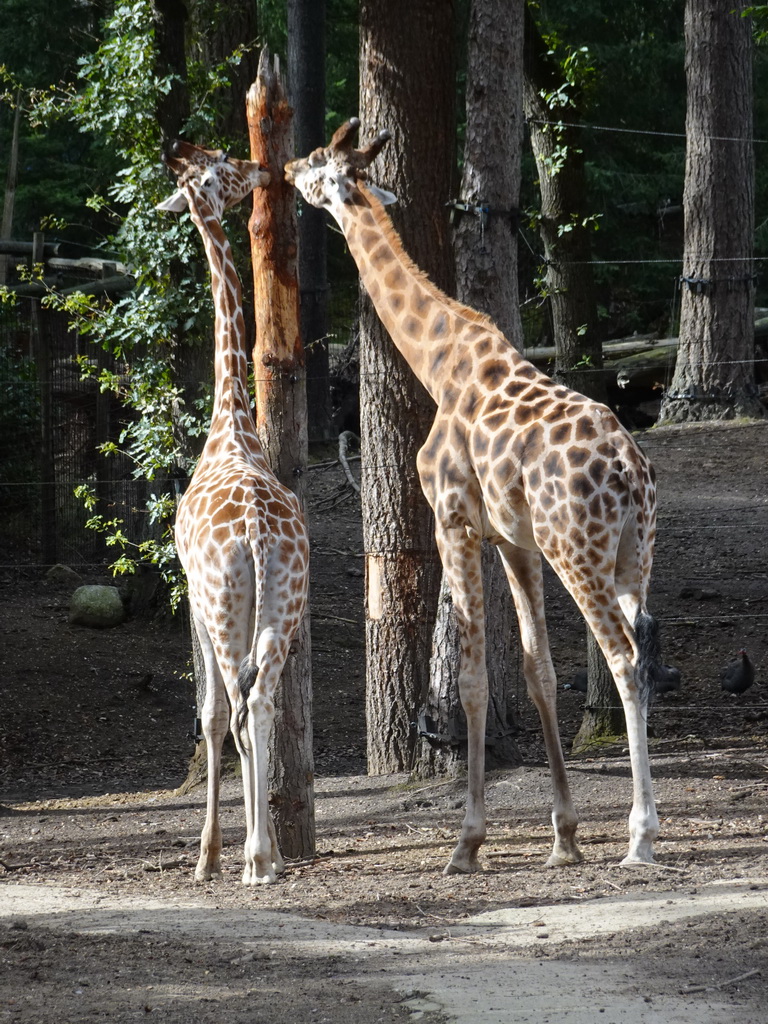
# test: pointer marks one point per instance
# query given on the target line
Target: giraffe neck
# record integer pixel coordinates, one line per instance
(231, 403)
(424, 323)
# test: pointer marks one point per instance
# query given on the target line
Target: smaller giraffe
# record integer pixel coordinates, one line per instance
(240, 534)
(534, 468)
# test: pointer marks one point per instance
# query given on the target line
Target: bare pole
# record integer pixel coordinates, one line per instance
(281, 420)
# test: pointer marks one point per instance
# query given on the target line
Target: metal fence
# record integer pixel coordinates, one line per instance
(52, 422)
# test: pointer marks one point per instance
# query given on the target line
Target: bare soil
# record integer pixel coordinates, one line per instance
(95, 737)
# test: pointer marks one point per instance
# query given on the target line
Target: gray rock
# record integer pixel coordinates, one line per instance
(62, 574)
(96, 606)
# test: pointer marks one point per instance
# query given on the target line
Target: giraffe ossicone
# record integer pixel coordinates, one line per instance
(534, 468)
(240, 534)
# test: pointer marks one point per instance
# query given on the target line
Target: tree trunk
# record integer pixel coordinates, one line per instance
(281, 420)
(407, 85)
(714, 374)
(564, 230)
(190, 365)
(306, 77)
(215, 39)
(9, 199)
(571, 291)
(485, 242)
(603, 717)
(173, 107)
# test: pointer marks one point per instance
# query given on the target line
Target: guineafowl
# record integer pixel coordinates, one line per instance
(738, 675)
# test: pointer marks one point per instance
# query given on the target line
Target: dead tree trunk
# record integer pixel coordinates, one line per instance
(281, 420)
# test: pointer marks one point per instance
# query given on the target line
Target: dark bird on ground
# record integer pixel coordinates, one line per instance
(579, 681)
(738, 675)
(666, 678)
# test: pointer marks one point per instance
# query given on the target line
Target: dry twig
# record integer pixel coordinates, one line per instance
(720, 984)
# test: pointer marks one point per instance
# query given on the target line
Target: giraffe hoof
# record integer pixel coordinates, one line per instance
(207, 873)
(468, 868)
(252, 877)
(563, 860)
(636, 861)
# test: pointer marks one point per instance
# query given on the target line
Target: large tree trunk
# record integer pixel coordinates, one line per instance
(306, 78)
(714, 375)
(485, 242)
(407, 86)
(281, 420)
(565, 235)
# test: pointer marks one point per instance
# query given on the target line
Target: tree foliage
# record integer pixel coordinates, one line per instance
(86, 76)
(114, 99)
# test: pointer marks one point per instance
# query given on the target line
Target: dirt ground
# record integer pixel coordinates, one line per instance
(95, 736)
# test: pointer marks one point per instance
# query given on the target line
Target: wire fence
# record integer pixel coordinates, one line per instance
(54, 422)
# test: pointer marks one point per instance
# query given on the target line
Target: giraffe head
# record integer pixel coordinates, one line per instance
(211, 176)
(328, 177)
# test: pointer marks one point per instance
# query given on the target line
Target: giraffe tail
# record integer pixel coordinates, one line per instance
(648, 655)
(249, 668)
(246, 678)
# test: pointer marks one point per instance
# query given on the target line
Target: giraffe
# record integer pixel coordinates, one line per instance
(240, 534)
(537, 470)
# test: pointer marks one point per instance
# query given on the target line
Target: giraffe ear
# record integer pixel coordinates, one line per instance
(177, 203)
(384, 197)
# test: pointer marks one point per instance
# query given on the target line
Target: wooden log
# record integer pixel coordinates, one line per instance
(281, 419)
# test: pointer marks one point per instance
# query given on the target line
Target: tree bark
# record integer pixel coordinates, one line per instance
(216, 39)
(9, 198)
(564, 233)
(190, 365)
(572, 298)
(281, 420)
(406, 85)
(170, 23)
(714, 374)
(485, 243)
(306, 78)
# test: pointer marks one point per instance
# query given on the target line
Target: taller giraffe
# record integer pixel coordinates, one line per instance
(240, 534)
(531, 466)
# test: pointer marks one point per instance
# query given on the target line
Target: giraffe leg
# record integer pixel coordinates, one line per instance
(460, 556)
(260, 840)
(214, 717)
(263, 860)
(523, 569)
(275, 625)
(643, 818)
(611, 624)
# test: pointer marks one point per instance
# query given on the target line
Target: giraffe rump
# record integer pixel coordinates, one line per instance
(648, 656)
